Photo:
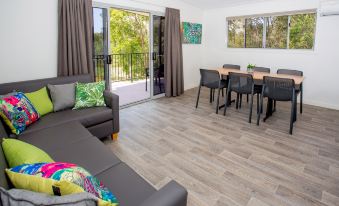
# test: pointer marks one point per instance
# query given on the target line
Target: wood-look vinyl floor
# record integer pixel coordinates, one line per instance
(224, 160)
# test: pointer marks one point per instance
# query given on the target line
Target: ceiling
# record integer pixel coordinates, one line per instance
(212, 4)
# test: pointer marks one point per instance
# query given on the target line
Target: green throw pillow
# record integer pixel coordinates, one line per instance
(18, 152)
(41, 101)
(89, 95)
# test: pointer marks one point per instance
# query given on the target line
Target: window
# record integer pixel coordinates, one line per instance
(276, 32)
(295, 31)
(254, 28)
(302, 29)
(236, 31)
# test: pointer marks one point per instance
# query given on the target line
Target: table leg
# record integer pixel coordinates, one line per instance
(229, 101)
(269, 109)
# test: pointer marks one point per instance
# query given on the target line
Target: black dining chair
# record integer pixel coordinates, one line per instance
(262, 69)
(241, 84)
(212, 80)
(279, 89)
(298, 89)
(231, 66)
(256, 69)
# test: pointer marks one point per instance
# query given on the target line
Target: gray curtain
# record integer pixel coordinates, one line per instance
(174, 77)
(75, 37)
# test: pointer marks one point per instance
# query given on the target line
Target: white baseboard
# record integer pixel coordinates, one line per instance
(322, 104)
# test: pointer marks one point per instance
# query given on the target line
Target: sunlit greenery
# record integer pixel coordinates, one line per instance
(129, 44)
(276, 32)
(254, 30)
(302, 30)
(301, 34)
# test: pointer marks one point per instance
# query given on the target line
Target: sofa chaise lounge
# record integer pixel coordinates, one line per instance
(73, 136)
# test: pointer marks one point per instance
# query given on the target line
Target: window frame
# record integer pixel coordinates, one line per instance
(265, 16)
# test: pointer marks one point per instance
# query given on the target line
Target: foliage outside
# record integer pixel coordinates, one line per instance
(129, 44)
(301, 36)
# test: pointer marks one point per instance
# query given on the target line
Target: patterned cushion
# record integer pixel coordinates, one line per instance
(89, 95)
(59, 179)
(17, 112)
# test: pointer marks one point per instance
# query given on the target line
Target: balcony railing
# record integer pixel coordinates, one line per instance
(122, 67)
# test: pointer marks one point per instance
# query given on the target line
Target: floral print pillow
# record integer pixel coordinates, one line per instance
(17, 112)
(89, 95)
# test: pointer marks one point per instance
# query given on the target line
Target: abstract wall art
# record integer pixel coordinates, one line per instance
(191, 33)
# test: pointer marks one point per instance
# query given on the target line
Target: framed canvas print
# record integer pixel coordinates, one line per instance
(191, 32)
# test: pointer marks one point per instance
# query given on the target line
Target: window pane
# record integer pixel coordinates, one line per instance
(98, 24)
(236, 33)
(276, 32)
(254, 32)
(302, 30)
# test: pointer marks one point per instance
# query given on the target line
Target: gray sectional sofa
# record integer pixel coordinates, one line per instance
(73, 136)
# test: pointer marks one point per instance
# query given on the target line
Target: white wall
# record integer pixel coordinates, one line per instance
(28, 37)
(321, 66)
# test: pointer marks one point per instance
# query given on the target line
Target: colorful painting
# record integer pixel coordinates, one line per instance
(191, 33)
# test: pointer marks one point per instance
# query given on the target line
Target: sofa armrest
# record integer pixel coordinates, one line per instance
(112, 101)
(171, 194)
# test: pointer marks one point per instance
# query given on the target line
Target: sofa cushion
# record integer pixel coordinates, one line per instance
(19, 197)
(129, 188)
(59, 178)
(87, 117)
(17, 112)
(63, 96)
(73, 143)
(41, 101)
(55, 138)
(89, 95)
(18, 152)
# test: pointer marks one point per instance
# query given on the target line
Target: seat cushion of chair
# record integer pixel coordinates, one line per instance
(87, 117)
(129, 188)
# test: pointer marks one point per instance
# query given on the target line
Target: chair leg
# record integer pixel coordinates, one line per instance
(237, 102)
(196, 104)
(274, 105)
(258, 108)
(226, 100)
(240, 101)
(301, 99)
(210, 95)
(295, 111)
(217, 108)
(292, 116)
(261, 106)
(251, 108)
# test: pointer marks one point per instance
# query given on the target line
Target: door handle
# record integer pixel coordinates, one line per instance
(154, 56)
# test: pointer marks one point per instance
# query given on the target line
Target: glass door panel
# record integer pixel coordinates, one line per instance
(158, 55)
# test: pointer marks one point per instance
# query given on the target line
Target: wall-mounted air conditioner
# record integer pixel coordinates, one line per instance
(329, 7)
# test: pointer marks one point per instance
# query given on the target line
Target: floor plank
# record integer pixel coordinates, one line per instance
(224, 160)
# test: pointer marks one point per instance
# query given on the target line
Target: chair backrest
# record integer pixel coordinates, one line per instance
(209, 76)
(262, 69)
(241, 83)
(231, 66)
(290, 72)
(279, 89)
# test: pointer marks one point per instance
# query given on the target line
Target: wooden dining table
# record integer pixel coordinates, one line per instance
(258, 78)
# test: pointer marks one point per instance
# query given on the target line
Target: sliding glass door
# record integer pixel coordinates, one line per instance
(158, 54)
(128, 55)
